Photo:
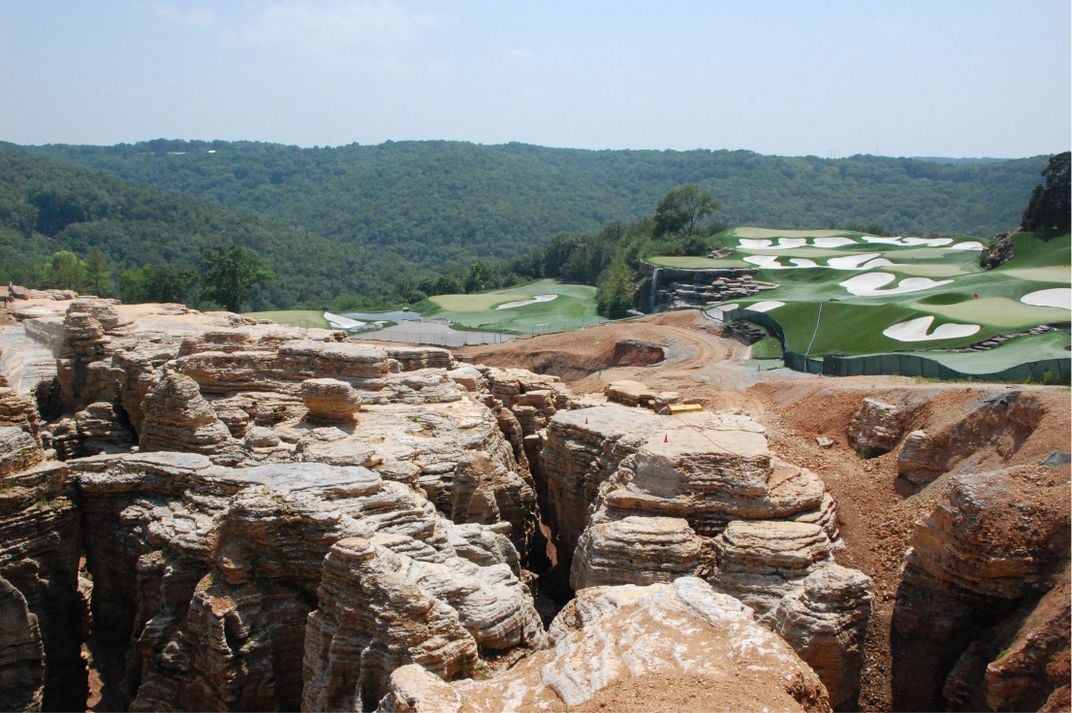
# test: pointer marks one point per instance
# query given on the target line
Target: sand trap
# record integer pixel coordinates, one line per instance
(340, 322)
(783, 244)
(870, 284)
(908, 242)
(861, 261)
(521, 303)
(766, 306)
(772, 262)
(915, 330)
(1059, 297)
(832, 242)
(967, 245)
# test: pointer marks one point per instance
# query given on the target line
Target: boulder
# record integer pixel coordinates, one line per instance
(177, 418)
(876, 428)
(677, 632)
(330, 400)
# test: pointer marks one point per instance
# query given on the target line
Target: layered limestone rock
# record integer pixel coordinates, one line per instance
(381, 608)
(606, 463)
(613, 634)
(204, 578)
(700, 494)
(18, 450)
(416, 358)
(330, 400)
(18, 412)
(1001, 422)
(994, 544)
(177, 418)
(22, 656)
(100, 431)
(876, 428)
(41, 543)
(826, 623)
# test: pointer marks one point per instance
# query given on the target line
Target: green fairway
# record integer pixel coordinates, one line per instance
(690, 262)
(768, 233)
(960, 305)
(293, 317)
(573, 306)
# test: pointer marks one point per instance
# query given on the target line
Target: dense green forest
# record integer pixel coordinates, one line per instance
(363, 226)
(140, 242)
(437, 201)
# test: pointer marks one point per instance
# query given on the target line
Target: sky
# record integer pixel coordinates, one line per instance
(829, 78)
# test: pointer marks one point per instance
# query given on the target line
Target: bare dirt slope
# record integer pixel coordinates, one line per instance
(876, 520)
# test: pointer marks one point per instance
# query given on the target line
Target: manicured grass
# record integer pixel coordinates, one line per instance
(1059, 274)
(767, 348)
(1000, 312)
(293, 317)
(573, 307)
(768, 233)
(691, 262)
(1037, 347)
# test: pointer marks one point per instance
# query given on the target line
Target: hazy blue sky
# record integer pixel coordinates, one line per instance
(823, 77)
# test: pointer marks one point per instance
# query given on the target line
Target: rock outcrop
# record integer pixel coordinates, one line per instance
(651, 498)
(994, 544)
(330, 400)
(876, 428)
(22, 657)
(612, 634)
(1001, 422)
(177, 418)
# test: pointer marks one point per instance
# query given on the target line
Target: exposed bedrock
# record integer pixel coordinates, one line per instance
(22, 656)
(177, 418)
(1001, 423)
(876, 428)
(40, 544)
(330, 400)
(984, 557)
(608, 634)
(204, 578)
(18, 412)
(652, 498)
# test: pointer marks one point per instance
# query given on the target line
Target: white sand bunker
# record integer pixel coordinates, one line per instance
(1059, 297)
(521, 303)
(339, 322)
(968, 245)
(832, 242)
(870, 284)
(773, 262)
(862, 261)
(766, 306)
(793, 243)
(907, 242)
(915, 330)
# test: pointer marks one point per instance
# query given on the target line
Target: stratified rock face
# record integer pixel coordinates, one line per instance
(876, 428)
(609, 634)
(18, 412)
(40, 544)
(205, 578)
(415, 358)
(330, 400)
(639, 550)
(99, 430)
(18, 450)
(700, 494)
(826, 624)
(760, 561)
(177, 418)
(22, 656)
(381, 609)
(995, 543)
(1001, 422)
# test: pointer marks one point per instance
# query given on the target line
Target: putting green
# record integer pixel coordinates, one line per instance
(483, 301)
(689, 262)
(753, 232)
(1057, 273)
(997, 312)
(293, 317)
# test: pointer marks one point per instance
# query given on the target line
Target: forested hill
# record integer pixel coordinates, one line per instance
(436, 203)
(47, 206)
